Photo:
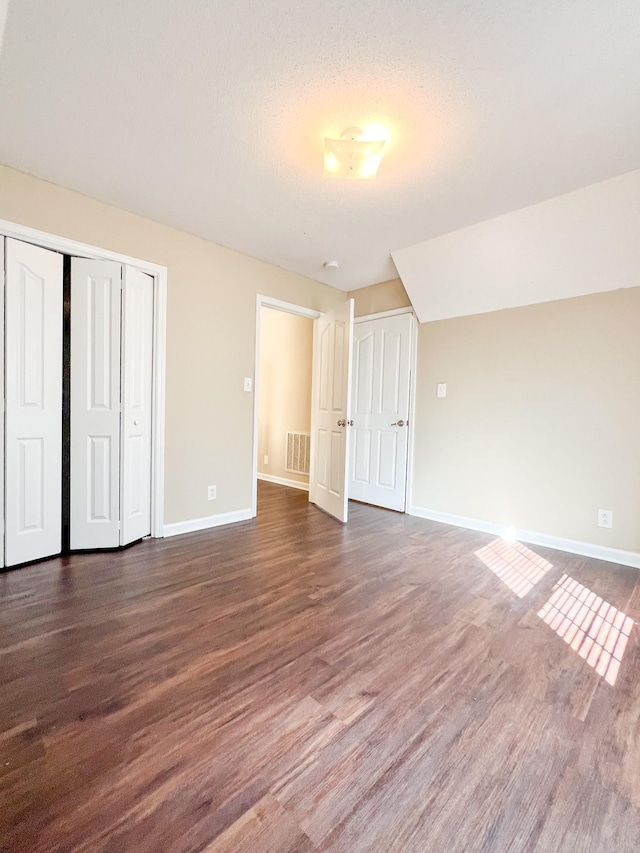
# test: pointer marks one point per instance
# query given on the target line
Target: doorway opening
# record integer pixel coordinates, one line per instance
(358, 444)
(284, 360)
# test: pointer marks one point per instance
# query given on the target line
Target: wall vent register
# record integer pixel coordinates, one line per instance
(298, 452)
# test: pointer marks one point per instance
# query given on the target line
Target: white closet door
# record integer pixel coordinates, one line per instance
(33, 403)
(96, 288)
(137, 354)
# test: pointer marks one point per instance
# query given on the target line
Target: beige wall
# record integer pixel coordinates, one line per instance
(286, 349)
(539, 429)
(541, 423)
(210, 334)
(385, 296)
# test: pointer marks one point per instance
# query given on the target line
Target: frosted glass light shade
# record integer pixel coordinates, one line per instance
(352, 158)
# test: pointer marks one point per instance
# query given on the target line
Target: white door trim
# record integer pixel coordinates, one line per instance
(159, 274)
(412, 390)
(289, 308)
(412, 410)
(382, 314)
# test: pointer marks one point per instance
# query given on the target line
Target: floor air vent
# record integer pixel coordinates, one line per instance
(298, 452)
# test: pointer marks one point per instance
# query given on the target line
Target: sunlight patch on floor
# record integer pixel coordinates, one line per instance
(593, 628)
(517, 566)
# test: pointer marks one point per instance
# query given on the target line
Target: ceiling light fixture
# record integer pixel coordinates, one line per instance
(352, 156)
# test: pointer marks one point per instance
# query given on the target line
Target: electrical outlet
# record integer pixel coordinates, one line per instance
(442, 389)
(212, 493)
(266, 460)
(605, 518)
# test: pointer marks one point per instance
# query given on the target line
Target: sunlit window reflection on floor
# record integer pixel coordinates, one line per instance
(591, 626)
(516, 565)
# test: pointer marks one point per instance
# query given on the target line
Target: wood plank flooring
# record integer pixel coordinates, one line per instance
(291, 684)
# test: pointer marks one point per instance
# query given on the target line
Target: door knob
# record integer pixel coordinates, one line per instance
(398, 423)
(342, 422)
(349, 423)
(136, 423)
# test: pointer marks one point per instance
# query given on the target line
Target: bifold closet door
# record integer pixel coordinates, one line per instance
(96, 288)
(33, 455)
(111, 392)
(137, 355)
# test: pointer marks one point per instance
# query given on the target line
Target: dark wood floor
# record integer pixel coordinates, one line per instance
(291, 684)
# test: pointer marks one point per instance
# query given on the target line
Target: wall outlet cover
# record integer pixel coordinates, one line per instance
(605, 518)
(212, 493)
(266, 460)
(442, 389)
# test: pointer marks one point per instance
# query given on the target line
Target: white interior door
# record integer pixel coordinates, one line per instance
(95, 403)
(330, 390)
(33, 403)
(137, 355)
(380, 410)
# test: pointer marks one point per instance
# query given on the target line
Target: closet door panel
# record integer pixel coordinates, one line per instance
(137, 355)
(33, 403)
(96, 288)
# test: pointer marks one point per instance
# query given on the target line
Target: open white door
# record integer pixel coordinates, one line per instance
(380, 408)
(330, 392)
(33, 403)
(137, 354)
(95, 403)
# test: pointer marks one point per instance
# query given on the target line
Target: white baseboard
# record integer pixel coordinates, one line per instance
(282, 481)
(194, 524)
(571, 546)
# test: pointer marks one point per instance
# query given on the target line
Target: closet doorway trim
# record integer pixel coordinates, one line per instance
(159, 274)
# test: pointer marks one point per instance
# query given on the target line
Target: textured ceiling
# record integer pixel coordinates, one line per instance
(4, 5)
(209, 116)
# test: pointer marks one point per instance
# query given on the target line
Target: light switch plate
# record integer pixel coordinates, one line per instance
(442, 389)
(248, 384)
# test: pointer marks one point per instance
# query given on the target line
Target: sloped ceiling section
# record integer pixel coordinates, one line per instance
(579, 243)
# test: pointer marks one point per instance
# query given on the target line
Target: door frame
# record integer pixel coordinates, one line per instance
(288, 308)
(159, 274)
(413, 364)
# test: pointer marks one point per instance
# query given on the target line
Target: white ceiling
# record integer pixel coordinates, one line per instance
(4, 6)
(209, 115)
